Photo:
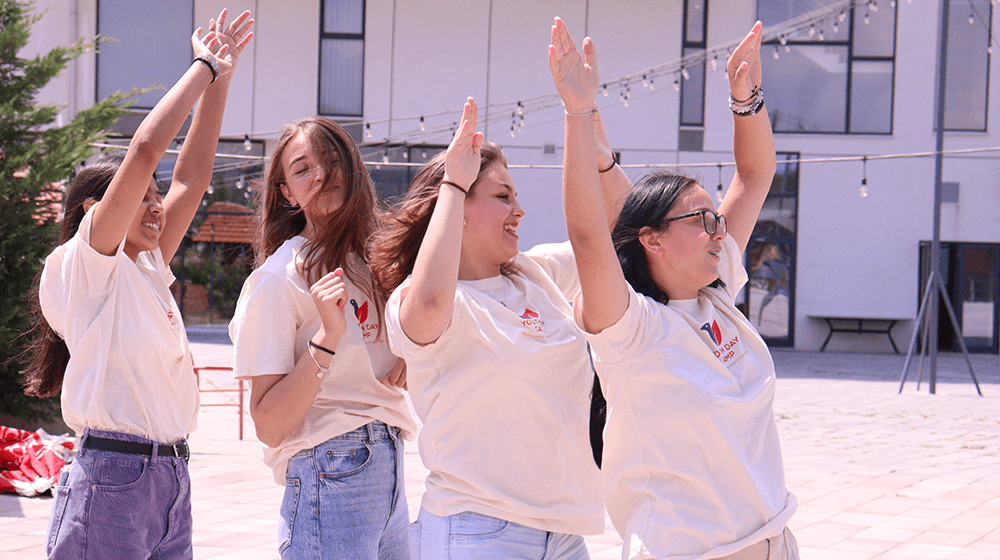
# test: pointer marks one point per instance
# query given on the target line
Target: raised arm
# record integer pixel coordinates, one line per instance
(753, 144)
(604, 293)
(128, 187)
(193, 172)
(427, 304)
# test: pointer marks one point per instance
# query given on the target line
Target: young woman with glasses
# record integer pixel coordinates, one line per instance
(692, 464)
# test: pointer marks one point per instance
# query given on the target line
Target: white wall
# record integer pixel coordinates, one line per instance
(856, 255)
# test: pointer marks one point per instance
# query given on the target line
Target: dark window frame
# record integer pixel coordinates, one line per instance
(323, 36)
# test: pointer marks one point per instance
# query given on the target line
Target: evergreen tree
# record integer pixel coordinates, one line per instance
(35, 158)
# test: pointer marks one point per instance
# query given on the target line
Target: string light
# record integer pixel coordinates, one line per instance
(368, 129)
(812, 30)
(864, 177)
(247, 144)
(972, 18)
(422, 126)
(645, 81)
(775, 52)
(651, 85)
(867, 20)
(822, 37)
(604, 90)
(520, 109)
(677, 84)
(836, 28)
(385, 156)
(685, 74)
(843, 14)
(718, 191)
(873, 6)
(715, 62)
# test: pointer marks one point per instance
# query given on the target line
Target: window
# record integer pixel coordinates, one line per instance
(392, 168)
(342, 57)
(143, 55)
(771, 256)
(834, 76)
(693, 84)
(967, 73)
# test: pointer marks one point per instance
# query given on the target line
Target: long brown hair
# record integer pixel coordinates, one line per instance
(47, 350)
(395, 248)
(345, 230)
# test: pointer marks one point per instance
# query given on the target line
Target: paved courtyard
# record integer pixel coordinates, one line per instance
(878, 474)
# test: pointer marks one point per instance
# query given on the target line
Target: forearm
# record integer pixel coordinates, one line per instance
(286, 399)
(615, 186)
(753, 149)
(604, 296)
(427, 305)
(193, 171)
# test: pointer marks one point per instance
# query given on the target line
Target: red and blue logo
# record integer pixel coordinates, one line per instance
(714, 332)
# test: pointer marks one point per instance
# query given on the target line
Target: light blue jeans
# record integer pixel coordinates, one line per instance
(344, 499)
(470, 535)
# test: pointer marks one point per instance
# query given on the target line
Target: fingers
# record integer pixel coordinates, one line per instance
(221, 22)
(235, 26)
(589, 53)
(397, 375)
(330, 289)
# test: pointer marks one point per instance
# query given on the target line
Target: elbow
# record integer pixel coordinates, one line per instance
(145, 150)
(267, 432)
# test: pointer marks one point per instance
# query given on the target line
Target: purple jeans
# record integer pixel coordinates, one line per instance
(111, 505)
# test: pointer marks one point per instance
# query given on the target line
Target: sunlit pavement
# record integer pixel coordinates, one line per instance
(878, 474)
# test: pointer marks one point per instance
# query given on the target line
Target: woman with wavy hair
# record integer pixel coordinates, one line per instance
(497, 370)
(326, 393)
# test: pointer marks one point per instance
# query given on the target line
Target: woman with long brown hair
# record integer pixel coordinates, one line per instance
(326, 394)
(496, 369)
(111, 336)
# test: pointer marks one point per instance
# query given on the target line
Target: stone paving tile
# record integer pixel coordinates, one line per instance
(878, 474)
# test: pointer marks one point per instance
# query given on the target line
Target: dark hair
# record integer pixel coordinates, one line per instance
(396, 246)
(345, 230)
(646, 206)
(48, 352)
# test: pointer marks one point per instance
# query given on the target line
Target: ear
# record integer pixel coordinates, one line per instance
(288, 194)
(651, 240)
(87, 204)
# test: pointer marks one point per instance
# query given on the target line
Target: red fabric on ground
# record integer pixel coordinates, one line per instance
(30, 461)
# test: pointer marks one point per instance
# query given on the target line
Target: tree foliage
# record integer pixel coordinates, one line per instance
(35, 158)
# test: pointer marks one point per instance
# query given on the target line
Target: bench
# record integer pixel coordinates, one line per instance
(859, 325)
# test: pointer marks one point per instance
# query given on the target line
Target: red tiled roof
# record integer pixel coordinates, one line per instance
(231, 222)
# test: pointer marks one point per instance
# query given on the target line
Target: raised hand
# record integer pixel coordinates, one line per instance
(462, 161)
(236, 36)
(330, 296)
(210, 46)
(743, 67)
(575, 76)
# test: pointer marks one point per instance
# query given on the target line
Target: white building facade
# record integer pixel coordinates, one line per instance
(847, 84)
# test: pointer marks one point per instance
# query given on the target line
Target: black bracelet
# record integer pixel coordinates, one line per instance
(610, 167)
(321, 349)
(211, 66)
(456, 185)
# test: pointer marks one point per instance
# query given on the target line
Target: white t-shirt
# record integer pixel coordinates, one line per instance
(275, 319)
(504, 396)
(692, 465)
(130, 365)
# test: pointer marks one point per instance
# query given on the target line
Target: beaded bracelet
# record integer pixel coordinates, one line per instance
(751, 106)
(211, 66)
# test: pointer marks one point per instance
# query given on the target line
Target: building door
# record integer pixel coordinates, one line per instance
(770, 258)
(972, 278)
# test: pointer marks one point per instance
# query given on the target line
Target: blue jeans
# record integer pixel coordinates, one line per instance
(470, 535)
(111, 505)
(344, 499)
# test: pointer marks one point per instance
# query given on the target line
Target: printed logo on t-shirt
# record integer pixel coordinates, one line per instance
(368, 330)
(714, 332)
(725, 350)
(172, 320)
(533, 322)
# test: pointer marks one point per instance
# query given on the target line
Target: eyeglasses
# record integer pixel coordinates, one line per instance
(709, 219)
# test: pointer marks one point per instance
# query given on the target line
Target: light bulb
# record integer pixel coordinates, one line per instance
(368, 129)
(863, 191)
(685, 74)
(812, 30)
(247, 144)
(422, 126)
(776, 52)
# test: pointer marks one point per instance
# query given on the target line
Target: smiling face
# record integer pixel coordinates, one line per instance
(306, 184)
(492, 215)
(684, 258)
(144, 232)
